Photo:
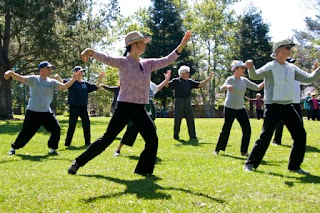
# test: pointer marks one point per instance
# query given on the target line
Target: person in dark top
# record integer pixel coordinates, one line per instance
(115, 90)
(182, 87)
(78, 101)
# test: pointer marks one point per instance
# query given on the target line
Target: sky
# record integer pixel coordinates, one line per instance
(284, 16)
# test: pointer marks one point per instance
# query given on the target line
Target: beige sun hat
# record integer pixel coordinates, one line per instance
(135, 36)
(279, 44)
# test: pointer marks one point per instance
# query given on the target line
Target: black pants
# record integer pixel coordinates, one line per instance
(75, 112)
(124, 113)
(274, 113)
(259, 113)
(315, 114)
(279, 129)
(183, 108)
(229, 116)
(32, 122)
(130, 136)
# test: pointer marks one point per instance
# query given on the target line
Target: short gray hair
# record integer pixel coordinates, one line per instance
(183, 69)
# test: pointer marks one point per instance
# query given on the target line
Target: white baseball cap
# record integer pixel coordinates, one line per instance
(278, 44)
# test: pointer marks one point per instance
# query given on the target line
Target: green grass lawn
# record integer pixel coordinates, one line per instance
(188, 177)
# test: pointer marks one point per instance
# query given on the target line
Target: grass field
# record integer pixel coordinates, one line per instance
(188, 177)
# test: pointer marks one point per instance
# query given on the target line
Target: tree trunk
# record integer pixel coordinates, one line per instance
(5, 98)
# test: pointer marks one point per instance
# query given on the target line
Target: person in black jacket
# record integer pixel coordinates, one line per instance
(78, 101)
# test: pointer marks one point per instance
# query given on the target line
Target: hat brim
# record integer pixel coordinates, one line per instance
(50, 66)
(145, 39)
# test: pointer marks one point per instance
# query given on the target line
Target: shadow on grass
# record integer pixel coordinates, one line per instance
(190, 142)
(143, 188)
(133, 157)
(37, 157)
(312, 149)
(313, 179)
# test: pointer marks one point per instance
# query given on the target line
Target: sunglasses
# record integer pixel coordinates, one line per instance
(287, 47)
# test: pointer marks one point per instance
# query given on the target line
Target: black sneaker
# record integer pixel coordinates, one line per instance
(73, 168)
(12, 151)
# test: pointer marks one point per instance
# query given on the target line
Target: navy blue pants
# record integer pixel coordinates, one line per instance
(124, 113)
(32, 122)
(229, 116)
(274, 113)
(75, 112)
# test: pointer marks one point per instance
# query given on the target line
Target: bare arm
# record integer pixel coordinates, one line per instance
(184, 42)
(204, 82)
(165, 81)
(260, 86)
(76, 76)
(14, 76)
(101, 76)
(58, 78)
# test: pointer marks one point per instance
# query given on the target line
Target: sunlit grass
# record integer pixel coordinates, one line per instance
(188, 177)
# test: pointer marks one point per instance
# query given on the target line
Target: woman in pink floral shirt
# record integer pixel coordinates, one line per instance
(135, 75)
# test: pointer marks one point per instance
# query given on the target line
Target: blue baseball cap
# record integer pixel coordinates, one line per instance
(78, 68)
(45, 64)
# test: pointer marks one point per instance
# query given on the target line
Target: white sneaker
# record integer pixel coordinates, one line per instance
(248, 168)
(216, 152)
(116, 153)
(53, 152)
(12, 151)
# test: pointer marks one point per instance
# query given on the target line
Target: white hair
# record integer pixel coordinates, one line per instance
(183, 69)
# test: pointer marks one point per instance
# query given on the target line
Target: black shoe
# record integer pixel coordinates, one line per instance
(194, 138)
(245, 154)
(73, 168)
(176, 137)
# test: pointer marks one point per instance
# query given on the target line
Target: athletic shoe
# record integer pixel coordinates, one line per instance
(116, 153)
(53, 152)
(248, 168)
(12, 151)
(245, 154)
(300, 171)
(73, 168)
(216, 152)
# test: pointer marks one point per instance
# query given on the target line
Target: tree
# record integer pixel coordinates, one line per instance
(213, 24)
(36, 30)
(253, 42)
(167, 30)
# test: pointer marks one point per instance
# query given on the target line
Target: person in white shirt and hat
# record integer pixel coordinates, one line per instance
(279, 77)
(236, 86)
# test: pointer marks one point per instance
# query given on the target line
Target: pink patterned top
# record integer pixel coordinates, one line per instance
(134, 81)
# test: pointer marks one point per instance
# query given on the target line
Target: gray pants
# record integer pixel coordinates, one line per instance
(183, 108)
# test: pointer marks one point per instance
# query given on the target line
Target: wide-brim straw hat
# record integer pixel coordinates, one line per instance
(136, 36)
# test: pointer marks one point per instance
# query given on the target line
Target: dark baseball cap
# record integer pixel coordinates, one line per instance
(45, 64)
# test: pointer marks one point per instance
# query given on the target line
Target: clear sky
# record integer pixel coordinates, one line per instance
(282, 15)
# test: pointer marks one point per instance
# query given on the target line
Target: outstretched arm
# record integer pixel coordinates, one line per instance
(184, 41)
(58, 78)
(101, 76)
(165, 81)
(260, 86)
(204, 82)
(14, 76)
(76, 76)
